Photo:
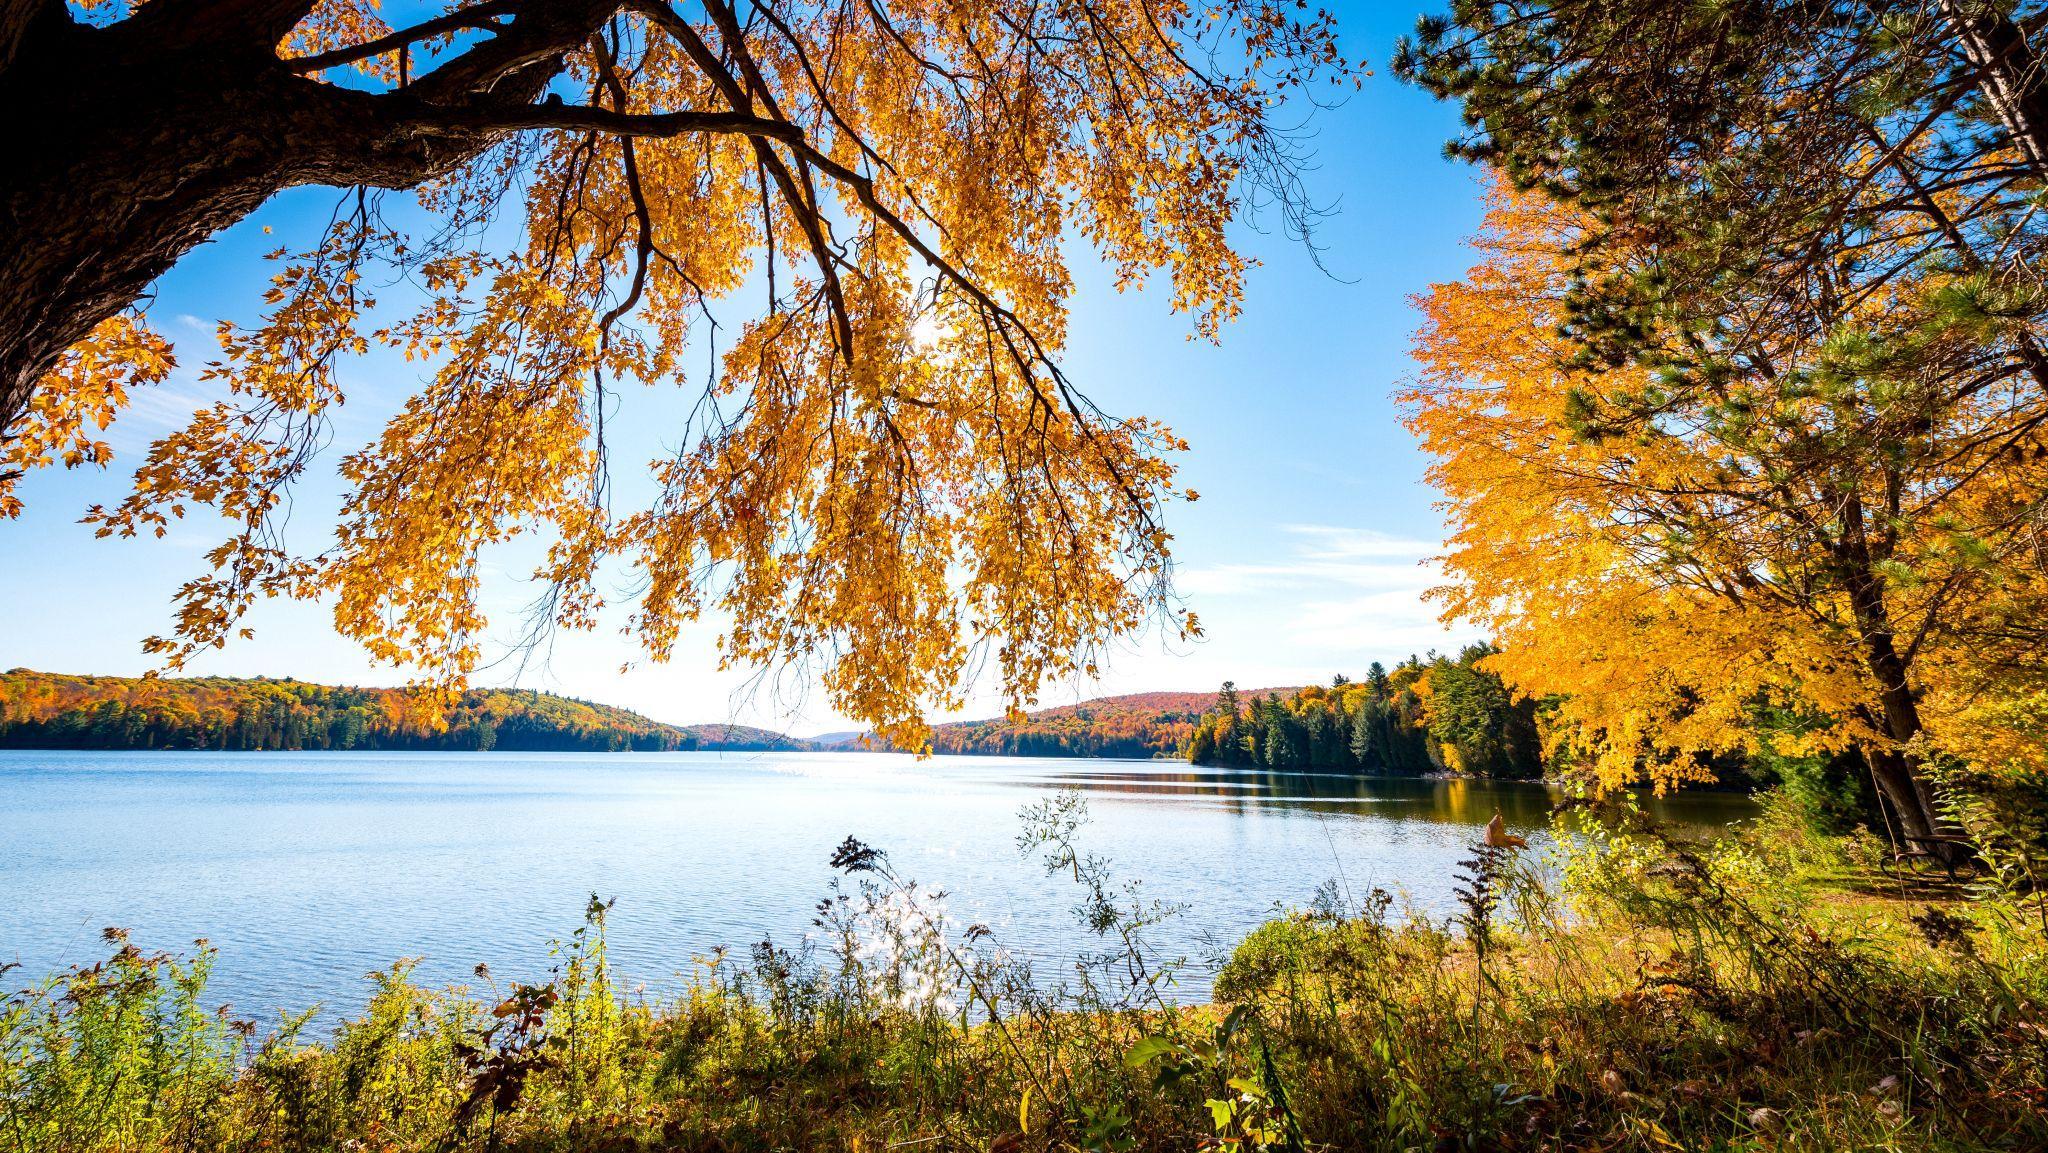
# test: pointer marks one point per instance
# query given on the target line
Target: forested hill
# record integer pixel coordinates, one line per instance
(1133, 725)
(51, 710)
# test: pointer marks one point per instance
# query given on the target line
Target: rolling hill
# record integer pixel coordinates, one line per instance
(1132, 725)
(52, 710)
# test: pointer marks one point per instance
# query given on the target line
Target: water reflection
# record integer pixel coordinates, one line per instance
(1525, 806)
(309, 869)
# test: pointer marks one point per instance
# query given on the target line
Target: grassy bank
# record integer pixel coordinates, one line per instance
(1765, 991)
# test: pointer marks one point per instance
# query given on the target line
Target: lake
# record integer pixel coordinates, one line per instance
(308, 870)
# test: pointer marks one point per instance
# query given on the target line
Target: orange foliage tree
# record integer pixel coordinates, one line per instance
(890, 470)
(1837, 544)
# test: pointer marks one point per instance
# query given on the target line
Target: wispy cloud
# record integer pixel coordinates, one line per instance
(1335, 589)
(150, 413)
(1322, 555)
(1333, 541)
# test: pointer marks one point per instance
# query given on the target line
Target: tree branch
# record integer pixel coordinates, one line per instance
(17, 18)
(252, 24)
(584, 118)
(530, 48)
(478, 16)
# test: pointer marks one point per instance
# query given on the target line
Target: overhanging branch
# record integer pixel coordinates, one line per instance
(584, 118)
(478, 16)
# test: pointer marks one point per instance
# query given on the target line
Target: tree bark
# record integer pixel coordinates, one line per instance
(16, 18)
(2010, 75)
(1906, 793)
(129, 145)
(1894, 769)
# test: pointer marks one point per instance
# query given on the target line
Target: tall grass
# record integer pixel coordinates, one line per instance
(1629, 990)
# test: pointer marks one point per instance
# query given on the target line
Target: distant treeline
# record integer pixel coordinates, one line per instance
(48, 710)
(1077, 738)
(1137, 725)
(1440, 715)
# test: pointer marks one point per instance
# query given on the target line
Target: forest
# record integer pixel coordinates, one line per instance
(48, 710)
(1135, 725)
(1441, 715)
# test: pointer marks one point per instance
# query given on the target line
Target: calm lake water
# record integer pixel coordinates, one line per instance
(307, 870)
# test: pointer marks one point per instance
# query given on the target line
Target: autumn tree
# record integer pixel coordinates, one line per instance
(890, 465)
(1446, 713)
(1832, 515)
(1806, 238)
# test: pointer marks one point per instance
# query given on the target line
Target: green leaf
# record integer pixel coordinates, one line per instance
(1147, 1051)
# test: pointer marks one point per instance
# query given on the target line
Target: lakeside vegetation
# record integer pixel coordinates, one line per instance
(1631, 991)
(1426, 716)
(1133, 725)
(54, 711)
(1138, 725)
(1441, 715)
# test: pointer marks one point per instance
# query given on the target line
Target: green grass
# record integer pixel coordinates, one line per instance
(1758, 992)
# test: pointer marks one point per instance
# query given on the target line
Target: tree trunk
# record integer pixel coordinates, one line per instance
(129, 145)
(1896, 771)
(1907, 795)
(115, 172)
(2009, 75)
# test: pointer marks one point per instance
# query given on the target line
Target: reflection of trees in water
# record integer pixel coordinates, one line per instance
(1456, 801)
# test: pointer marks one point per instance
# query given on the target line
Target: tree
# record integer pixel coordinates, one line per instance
(1843, 200)
(1318, 737)
(1483, 727)
(1376, 680)
(1829, 528)
(1362, 746)
(899, 179)
(1721, 150)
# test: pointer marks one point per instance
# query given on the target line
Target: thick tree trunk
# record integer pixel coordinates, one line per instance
(1904, 793)
(1894, 768)
(2010, 75)
(127, 146)
(114, 178)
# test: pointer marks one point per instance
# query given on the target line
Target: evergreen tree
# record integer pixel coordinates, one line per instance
(1320, 737)
(1363, 752)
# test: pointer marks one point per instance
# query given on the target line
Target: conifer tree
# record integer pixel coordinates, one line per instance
(1795, 277)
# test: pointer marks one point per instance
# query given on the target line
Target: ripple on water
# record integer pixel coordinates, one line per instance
(309, 870)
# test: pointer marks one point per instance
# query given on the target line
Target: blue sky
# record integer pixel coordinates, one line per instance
(1304, 557)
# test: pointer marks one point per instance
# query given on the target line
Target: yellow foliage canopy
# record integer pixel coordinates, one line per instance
(80, 399)
(890, 474)
(1698, 566)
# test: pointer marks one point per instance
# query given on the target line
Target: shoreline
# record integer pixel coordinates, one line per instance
(1341, 1027)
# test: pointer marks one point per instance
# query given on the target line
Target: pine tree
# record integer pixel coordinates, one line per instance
(1226, 700)
(1363, 749)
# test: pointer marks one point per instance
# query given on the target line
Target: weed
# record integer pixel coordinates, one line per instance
(1636, 991)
